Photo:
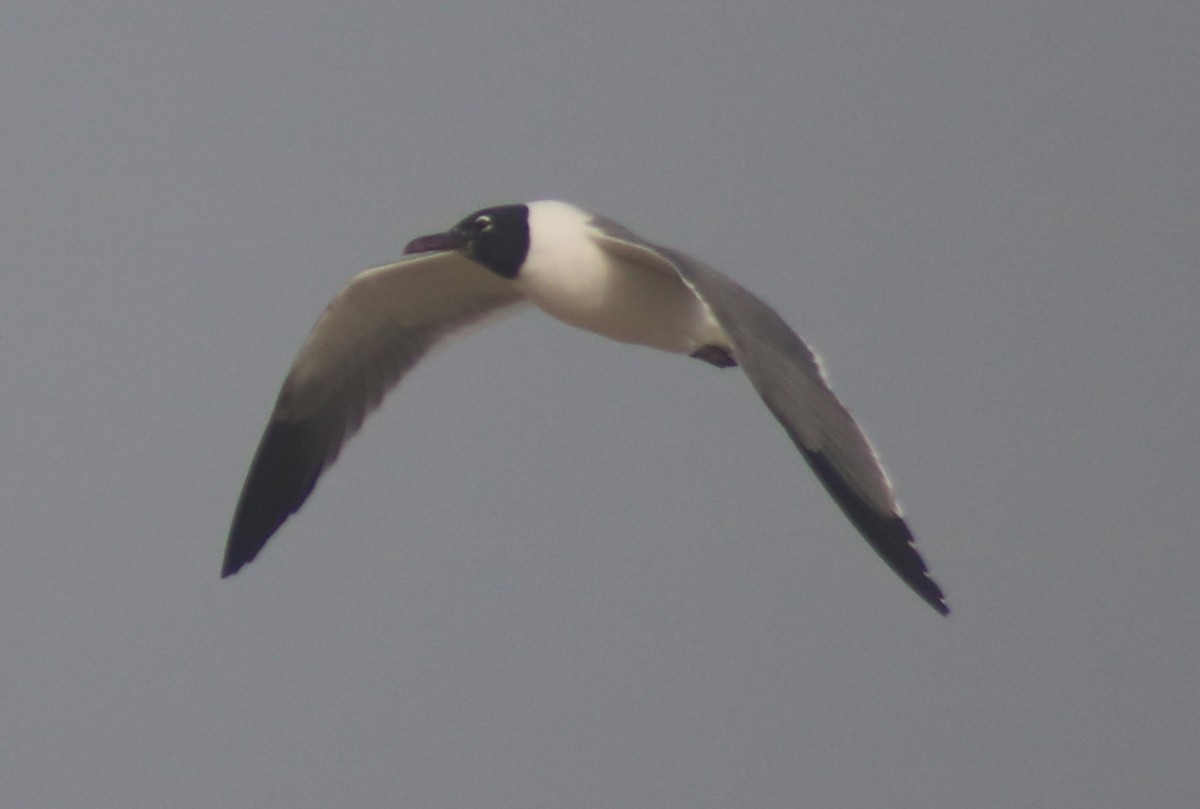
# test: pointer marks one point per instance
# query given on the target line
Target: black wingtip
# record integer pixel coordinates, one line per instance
(282, 475)
(894, 542)
(241, 548)
(229, 567)
(235, 558)
(888, 534)
(940, 605)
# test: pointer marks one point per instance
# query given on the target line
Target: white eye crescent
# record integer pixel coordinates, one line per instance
(484, 223)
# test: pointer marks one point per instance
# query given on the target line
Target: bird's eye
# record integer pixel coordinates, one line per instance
(483, 224)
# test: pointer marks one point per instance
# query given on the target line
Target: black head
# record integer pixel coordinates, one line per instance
(497, 238)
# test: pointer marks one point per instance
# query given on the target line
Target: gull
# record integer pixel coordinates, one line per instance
(589, 272)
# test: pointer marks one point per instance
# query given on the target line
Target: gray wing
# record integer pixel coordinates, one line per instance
(789, 379)
(376, 329)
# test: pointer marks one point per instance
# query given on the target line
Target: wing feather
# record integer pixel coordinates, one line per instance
(373, 332)
(789, 379)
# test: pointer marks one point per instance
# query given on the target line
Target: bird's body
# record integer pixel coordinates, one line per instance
(588, 272)
(581, 284)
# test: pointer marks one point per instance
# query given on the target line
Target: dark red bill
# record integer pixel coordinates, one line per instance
(436, 241)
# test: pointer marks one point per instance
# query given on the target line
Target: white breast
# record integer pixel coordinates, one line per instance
(570, 277)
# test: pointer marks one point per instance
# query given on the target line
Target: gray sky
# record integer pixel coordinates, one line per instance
(559, 572)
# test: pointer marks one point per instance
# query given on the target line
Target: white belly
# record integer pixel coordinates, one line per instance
(575, 281)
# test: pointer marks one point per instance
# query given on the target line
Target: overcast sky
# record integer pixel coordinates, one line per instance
(555, 571)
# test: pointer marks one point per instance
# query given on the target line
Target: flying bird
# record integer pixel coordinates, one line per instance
(587, 271)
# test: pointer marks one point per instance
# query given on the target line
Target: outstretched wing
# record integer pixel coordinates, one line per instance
(376, 329)
(789, 379)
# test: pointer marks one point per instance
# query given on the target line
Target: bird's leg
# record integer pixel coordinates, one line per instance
(715, 355)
